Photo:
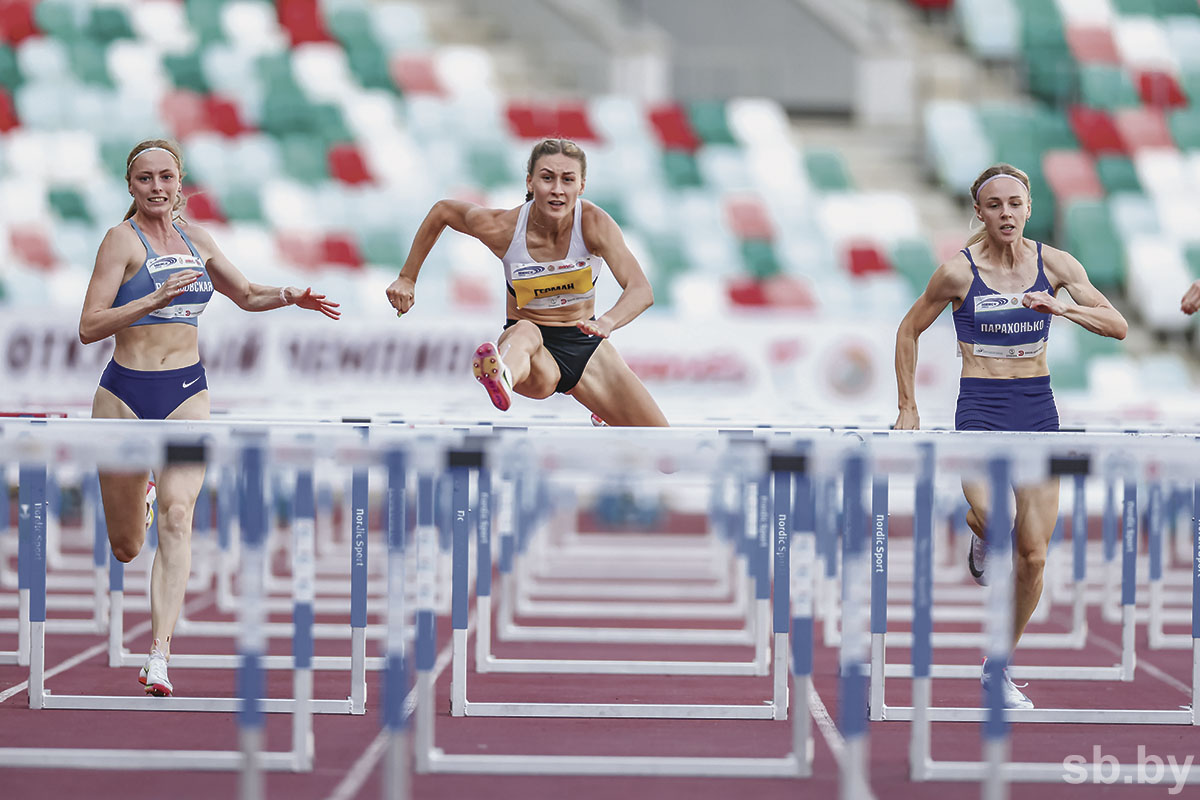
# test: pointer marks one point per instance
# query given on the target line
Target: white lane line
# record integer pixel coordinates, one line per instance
(361, 769)
(137, 630)
(833, 737)
(1142, 663)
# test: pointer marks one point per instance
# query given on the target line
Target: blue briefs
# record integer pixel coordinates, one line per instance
(154, 394)
(1006, 404)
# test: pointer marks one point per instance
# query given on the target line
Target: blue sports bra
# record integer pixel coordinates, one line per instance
(187, 306)
(998, 325)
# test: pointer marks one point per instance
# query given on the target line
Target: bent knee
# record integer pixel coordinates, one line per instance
(176, 520)
(126, 551)
(1032, 560)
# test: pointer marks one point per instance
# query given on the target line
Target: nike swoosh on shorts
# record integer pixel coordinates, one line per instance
(189, 383)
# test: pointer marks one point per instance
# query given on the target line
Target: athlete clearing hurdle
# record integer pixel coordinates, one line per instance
(1003, 288)
(554, 249)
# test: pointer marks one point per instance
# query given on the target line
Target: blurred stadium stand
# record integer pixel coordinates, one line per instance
(807, 155)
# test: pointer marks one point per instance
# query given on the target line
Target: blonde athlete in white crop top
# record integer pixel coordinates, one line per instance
(554, 249)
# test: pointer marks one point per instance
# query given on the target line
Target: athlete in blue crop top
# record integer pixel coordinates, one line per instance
(153, 277)
(1003, 288)
(554, 248)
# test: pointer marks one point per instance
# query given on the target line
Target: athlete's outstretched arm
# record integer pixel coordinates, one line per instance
(1091, 309)
(484, 224)
(229, 281)
(99, 319)
(942, 289)
(603, 237)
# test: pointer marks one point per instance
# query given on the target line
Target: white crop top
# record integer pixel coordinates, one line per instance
(551, 284)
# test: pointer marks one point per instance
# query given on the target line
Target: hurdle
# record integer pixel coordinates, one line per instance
(996, 771)
(641, 599)
(249, 759)
(465, 463)
(468, 457)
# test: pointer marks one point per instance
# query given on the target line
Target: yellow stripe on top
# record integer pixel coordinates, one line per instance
(551, 285)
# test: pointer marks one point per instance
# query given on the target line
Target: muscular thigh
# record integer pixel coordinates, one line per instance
(1037, 514)
(180, 484)
(525, 338)
(614, 392)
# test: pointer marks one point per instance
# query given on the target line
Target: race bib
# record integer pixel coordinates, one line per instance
(552, 285)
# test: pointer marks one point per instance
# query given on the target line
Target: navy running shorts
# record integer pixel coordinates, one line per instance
(1006, 404)
(571, 349)
(153, 394)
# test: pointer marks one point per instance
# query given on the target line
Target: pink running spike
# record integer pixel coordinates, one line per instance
(491, 372)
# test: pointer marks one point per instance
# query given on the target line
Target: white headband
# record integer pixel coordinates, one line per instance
(165, 150)
(995, 177)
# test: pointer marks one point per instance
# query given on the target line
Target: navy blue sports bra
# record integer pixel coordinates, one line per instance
(998, 325)
(187, 306)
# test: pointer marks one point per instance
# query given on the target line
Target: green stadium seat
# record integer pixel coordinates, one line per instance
(89, 62)
(1089, 236)
(710, 122)
(1185, 128)
(489, 166)
(1191, 254)
(827, 171)
(108, 23)
(1051, 75)
(383, 247)
(1107, 87)
(304, 157)
(241, 204)
(759, 258)
(186, 71)
(1169, 8)
(915, 261)
(1117, 174)
(10, 73)
(68, 204)
(369, 64)
(285, 110)
(58, 19)
(205, 17)
(679, 167)
(1132, 8)
(327, 123)
(1042, 26)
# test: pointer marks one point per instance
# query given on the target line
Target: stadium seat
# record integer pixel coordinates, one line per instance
(759, 258)
(241, 204)
(1141, 128)
(1162, 171)
(400, 26)
(1117, 174)
(679, 168)
(1107, 87)
(340, 249)
(1052, 76)
(673, 127)
(990, 27)
(346, 164)
(1088, 235)
(1096, 131)
(747, 217)
(10, 73)
(1086, 13)
(107, 23)
(1160, 89)
(16, 21)
(957, 147)
(202, 206)
(1142, 42)
(304, 157)
(1183, 35)
(710, 122)
(1071, 174)
(864, 258)
(1156, 279)
(1133, 215)
(827, 171)
(1092, 45)
(303, 21)
(32, 247)
(414, 74)
(1185, 127)
(68, 204)
(8, 114)
(914, 260)
(1177, 215)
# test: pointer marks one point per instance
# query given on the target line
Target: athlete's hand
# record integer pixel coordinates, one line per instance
(1191, 299)
(317, 302)
(908, 420)
(401, 294)
(174, 286)
(595, 327)
(1044, 302)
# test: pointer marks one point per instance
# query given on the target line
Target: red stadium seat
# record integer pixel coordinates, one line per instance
(414, 74)
(573, 123)
(1143, 127)
(864, 258)
(467, 291)
(223, 116)
(1071, 174)
(530, 121)
(16, 20)
(340, 249)
(301, 249)
(747, 292)
(934, 5)
(202, 206)
(184, 113)
(1160, 90)
(786, 291)
(346, 164)
(1095, 131)
(748, 217)
(302, 20)
(32, 247)
(1091, 45)
(674, 129)
(8, 114)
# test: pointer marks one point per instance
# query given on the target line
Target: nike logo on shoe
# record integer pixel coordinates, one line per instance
(193, 380)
